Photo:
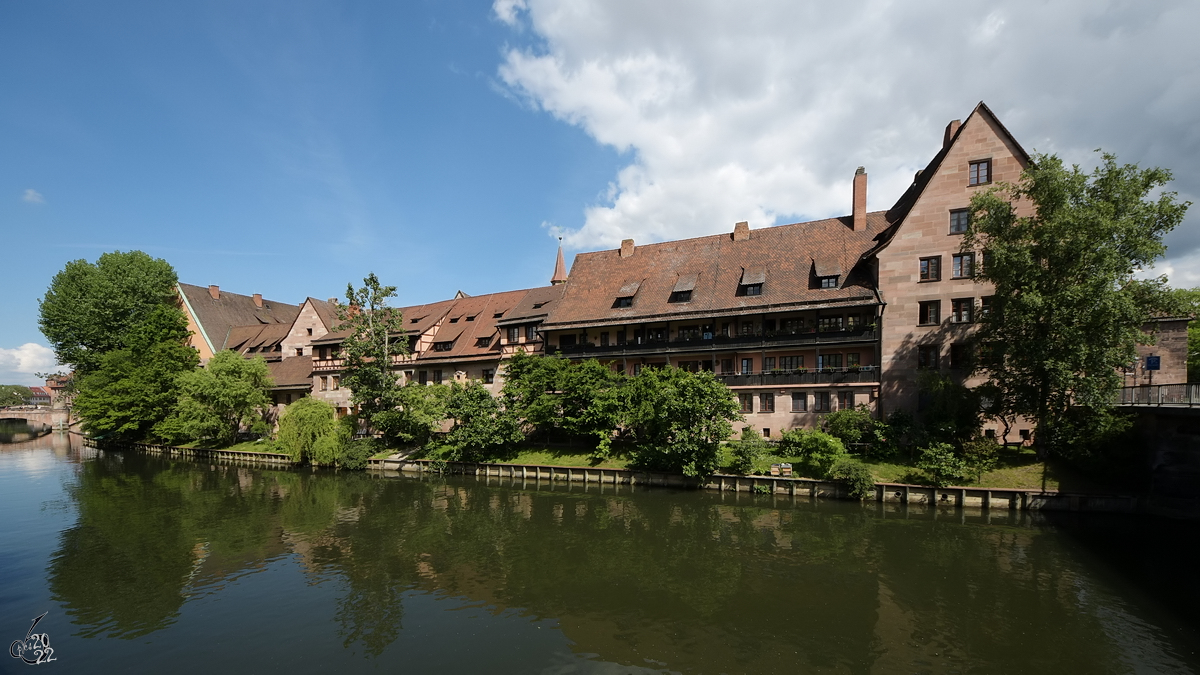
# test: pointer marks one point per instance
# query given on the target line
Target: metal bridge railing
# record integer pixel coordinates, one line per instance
(1161, 394)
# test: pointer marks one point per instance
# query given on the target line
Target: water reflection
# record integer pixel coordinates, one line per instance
(686, 581)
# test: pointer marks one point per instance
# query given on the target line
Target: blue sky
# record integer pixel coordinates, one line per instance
(287, 148)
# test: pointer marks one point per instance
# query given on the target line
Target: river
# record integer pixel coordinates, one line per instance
(153, 565)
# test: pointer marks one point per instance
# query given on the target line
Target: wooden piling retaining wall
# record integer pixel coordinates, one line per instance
(980, 497)
(974, 497)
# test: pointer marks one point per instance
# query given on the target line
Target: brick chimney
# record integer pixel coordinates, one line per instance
(741, 231)
(951, 129)
(860, 200)
(258, 299)
(626, 248)
(214, 292)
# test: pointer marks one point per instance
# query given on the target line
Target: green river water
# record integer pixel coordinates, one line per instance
(151, 565)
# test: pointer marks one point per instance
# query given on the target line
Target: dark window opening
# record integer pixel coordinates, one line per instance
(423, 376)
(929, 313)
(530, 333)
(604, 339)
(620, 337)
(979, 173)
(750, 289)
(489, 376)
(845, 400)
(960, 356)
(680, 296)
(959, 219)
(443, 346)
(747, 402)
(626, 301)
(829, 324)
(962, 310)
(566, 340)
(963, 266)
(437, 377)
(498, 315)
(821, 401)
(539, 305)
(829, 282)
(483, 341)
(514, 334)
(931, 269)
(799, 402)
(454, 320)
(470, 318)
(766, 403)
(927, 356)
(747, 366)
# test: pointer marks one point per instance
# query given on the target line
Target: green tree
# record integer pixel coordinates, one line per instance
(482, 429)
(531, 389)
(134, 388)
(376, 338)
(951, 412)
(14, 394)
(1189, 299)
(943, 464)
(303, 423)
(679, 419)
(91, 309)
(216, 401)
(417, 415)
(749, 451)
(1068, 311)
(851, 425)
(550, 392)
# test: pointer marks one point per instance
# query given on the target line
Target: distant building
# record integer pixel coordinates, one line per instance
(38, 396)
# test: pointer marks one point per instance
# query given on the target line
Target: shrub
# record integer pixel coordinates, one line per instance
(817, 448)
(942, 463)
(851, 425)
(748, 452)
(859, 482)
(980, 455)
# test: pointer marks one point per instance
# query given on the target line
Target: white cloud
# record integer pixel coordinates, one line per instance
(506, 10)
(761, 112)
(22, 362)
(33, 197)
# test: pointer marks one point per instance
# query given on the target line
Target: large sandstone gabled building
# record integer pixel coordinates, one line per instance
(798, 320)
(808, 318)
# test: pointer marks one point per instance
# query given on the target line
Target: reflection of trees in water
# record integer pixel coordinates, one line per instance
(682, 578)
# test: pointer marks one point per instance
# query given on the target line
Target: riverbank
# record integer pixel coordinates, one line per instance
(981, 496)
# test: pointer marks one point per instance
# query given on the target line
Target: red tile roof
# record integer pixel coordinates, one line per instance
(786, 259)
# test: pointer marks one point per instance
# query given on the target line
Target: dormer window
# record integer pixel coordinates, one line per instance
(470, 318)
(443, 346)
(498, 315)
(829, 282)
(483, 341)
(539, 305)
(682, 292)
(752, 281)
(454, 320)
(626, 293)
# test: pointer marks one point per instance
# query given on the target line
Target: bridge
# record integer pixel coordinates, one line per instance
(1160, 395)
(58, 418)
